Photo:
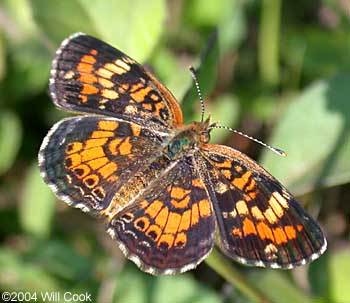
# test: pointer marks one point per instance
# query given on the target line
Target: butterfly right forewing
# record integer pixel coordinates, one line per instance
(260, 223)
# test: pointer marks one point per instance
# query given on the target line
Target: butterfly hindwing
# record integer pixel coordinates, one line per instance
(170, 228)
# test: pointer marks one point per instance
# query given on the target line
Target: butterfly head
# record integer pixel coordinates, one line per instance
(203, 130)
(189, 138)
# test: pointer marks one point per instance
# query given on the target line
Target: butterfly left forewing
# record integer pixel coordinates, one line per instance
(90, 76)
(260, 223)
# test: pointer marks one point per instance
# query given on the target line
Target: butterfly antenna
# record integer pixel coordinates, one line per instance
(274, 149)
(196, 83)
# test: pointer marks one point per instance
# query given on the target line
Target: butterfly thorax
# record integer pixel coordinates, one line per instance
(188, 139)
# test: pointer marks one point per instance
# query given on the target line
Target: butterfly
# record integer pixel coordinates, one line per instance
(165, 193)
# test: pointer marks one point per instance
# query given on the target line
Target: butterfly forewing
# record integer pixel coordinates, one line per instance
(87, 159)
(91, 76)
(259, 221)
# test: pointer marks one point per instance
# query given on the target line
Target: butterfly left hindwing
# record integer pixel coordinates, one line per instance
(169, 228)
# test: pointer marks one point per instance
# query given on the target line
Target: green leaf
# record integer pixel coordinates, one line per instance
(116, 22)
(20, 18)
(227, 15)
(171, 72)
(314, 131)
(10, 139)
(62, 19)
(231, 27)
(277, 287)
(61, 259)
(137, 293)
(206, 13)
(31, 67)
(330, 277)
(263, 107)
(37, 204)
(322, 54)
(182, 289)
(17, 274)
(132, 26)
(29, 52)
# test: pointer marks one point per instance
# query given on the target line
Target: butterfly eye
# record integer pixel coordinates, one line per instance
(177, 145)
(205, 137)
(174, 147)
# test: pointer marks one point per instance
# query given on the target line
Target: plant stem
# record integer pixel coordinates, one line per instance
(229, 273)
(269, 40)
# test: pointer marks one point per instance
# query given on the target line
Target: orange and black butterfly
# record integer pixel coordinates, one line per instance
(162, 188)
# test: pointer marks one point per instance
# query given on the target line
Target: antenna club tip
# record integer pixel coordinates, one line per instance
(281, 152)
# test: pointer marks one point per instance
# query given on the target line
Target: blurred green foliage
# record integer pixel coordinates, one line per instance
(278, 70)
